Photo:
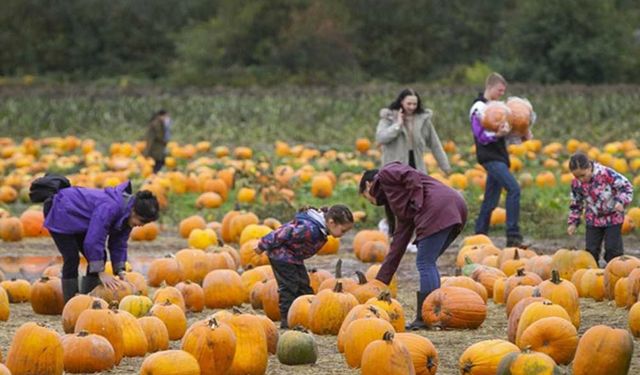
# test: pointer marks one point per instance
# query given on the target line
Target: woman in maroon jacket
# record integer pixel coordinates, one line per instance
(415, 201)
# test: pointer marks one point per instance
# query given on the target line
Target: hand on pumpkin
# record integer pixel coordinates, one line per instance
(258, 250)
(571, 230)
(503, 130)
(109, 281)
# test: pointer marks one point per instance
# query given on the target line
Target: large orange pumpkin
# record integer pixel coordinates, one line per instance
(102, 322)
(11, 229)
(603, 350)
(423, 354)
(387, 356)
(537, 311)
(223, 289)
(190, 223)
(212, 344)
(85, 352)
(519, 117)
(32, 223)
(564, 293)
(166, 270)
(35, 349)
(359, 334)
(133, 337)
(553, 336)
(329, 309)
(173, 317)
(364, 311)
(616, 268)
(75, 306)
(495, 115)
(298, 314)
(454, 307)
(156, 333)
(482, 358)
(46, 296)
(170, 362)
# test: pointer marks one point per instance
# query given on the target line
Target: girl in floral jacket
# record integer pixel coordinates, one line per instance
(297, 240)
(602, 194)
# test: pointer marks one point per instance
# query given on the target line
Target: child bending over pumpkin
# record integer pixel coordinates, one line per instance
(288, 246)
(602, 194)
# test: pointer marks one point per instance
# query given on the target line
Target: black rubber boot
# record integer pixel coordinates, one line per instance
(69, 288)
(89, 282)
(418, 323)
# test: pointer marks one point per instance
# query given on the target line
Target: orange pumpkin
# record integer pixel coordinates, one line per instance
(519, 117)
(634, 319)
(364, 311)
(35, 349)
(46, 296)
(212, 344)
(386, 356)
(156, 333)
(392, 307)
(4, 306)
(329, 309)
(603, 350)
(321, 186)
(316, 277)
(18, 290)
(164, 270)
(569, 261)
(454, 307)
(133, 337)
(553, 336)
(516, 314)
(170, 362)
(298, 314)
(423, 354)
(487, 276)
(195, 264)
(102, 322)
(537, 311)
(518, 294)
(359, 334)
(223, 289)
(483, 358)
(11, 229)
(171, 294)
(616, 268)
(468, 283)
(251, 354)
(192, 294)
(190, 223)
(592, 284)
(32, 223)
(515, 363)
(495, 116)
(75, 306)
(87, 353)
(173, 317)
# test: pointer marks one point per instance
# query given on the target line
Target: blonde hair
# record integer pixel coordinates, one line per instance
(494, 79)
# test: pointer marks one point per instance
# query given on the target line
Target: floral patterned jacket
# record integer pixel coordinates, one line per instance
(598, 197)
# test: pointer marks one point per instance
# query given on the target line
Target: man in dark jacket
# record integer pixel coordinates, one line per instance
(492, 154)
(158, 135)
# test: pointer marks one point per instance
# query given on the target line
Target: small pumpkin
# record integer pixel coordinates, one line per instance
(537, 311)
(392, 307)
(454, 307)
(156, 333)
(299, 311)
(137, 305)
(483, 358)
(171, 294)
(4, 306)
(223, 289)
(358, 312)
(102, 322)
(386, 356)
(164, 270)
(85, 352)
(564, 293)
(46, 296)
(616, 268)
(173, 317)
(297, 347)
(359, 334)
(18, 290)
(170, 362)
(553, 336)
(192, 294)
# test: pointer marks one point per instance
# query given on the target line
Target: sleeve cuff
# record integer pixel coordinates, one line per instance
(95, 266)
(119, 267)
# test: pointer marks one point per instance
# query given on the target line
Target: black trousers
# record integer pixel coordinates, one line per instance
(293, 282)
(612, 236)
(158, 165)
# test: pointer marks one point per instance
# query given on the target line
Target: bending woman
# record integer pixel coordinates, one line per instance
(417, 202)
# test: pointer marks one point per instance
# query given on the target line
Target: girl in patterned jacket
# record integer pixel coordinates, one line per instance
(602, 194)
(297, 240)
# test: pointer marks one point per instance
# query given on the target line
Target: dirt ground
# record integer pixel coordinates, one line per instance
(450, 344)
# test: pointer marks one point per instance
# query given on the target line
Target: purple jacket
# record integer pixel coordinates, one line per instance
(98, 213)
(296, 240)
(419, 203)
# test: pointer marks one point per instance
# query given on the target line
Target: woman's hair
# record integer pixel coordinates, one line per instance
(367, 176)
(146, 206)
(339, 213)
(159, 113)
(579, 161)
(397, 104)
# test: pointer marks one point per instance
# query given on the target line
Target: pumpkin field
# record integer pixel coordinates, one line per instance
(196, 298)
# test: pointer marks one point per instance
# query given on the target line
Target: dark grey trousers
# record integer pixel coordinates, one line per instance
(612, 236)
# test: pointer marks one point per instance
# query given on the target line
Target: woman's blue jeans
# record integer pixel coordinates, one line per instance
(429, 249)
(498, 177)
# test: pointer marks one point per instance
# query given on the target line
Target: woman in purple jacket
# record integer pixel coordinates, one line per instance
(417, 202)
(82, 220)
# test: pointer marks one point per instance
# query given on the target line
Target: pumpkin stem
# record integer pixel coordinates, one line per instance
(213, 323)
(339, 269)
(467, 260)
(536, 293)
(167, 302)
(516, 255)
(555, 277)
(338, 287)
(44, 279)
(362, 279)
(385, 296)
(388, 336)
(96, 305)
(300, 328)
(520, 272)
(83, 333)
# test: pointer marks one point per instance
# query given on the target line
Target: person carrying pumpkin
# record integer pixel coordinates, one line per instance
(602, 194)
(288, 246)
(82, 220)
(420, 203)
(492, 154)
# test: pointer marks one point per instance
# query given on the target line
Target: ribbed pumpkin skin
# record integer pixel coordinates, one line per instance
(133, 337)
(46, 296)
(104, 323)
(386, 356)
(603, 350)
(193, 295)
(137, 306)
(392, 307)
(87, 353)
(528, 363)
(223, 289)
(361, 333)
(616, 268)
(634, 319)
(423, 354)
(454, 307)
(482, 358)
(171, 294)
(251, 355)
(156, 333)
(4, 305)
(170, 362)
(270, 300)
(19, 290)
(537, 311)
(358, 312)
(563, 293)
(173, 317)
(329, 309)
(299, 311)
(166, 270)
(297, 348)
(35, 350)
(213, 345)
(518, 294)
(516, 313)
(553, 336)
(271, 333)
(74, 307)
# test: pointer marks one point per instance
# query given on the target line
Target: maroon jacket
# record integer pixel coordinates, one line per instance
(420, 203)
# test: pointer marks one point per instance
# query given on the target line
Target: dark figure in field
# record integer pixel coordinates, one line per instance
(158, 135)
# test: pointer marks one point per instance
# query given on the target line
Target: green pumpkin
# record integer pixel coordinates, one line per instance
(297, 347)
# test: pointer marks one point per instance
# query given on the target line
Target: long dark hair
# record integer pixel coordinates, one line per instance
(579, 161)
(146, 206)
(397, 104)
(368, 176)
(157, 114)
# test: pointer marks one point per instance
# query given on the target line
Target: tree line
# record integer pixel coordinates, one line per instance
(266, 42)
